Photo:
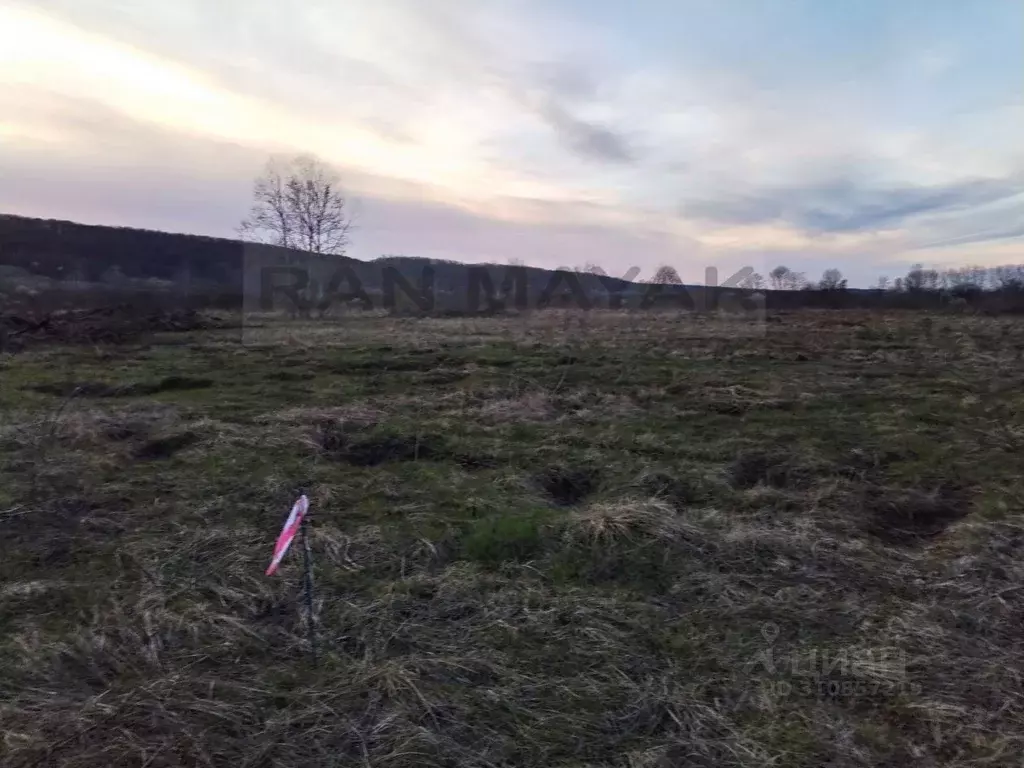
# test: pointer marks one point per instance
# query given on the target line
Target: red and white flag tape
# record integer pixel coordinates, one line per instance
(291, 527)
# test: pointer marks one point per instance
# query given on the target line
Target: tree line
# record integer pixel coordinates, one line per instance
(960, 281)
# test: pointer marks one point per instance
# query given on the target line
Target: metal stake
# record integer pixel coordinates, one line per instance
(308, 560)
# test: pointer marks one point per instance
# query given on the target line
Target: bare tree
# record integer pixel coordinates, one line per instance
(1009, 277)
(779, 277)
(298, 203)
(753, 281)
(915, 279)
(832, 280)
(883, 283)
(666, 275)
(784, 278)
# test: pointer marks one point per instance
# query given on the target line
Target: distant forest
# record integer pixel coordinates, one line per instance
(40, 257)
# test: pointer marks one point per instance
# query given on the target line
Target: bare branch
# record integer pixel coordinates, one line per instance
(298, 203)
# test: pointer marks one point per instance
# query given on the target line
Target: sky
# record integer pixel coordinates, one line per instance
(865, 136)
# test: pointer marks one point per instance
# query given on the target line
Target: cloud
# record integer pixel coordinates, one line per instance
(464, 125)
(983, 236)
(587, 139)
(557, 92)
(97, 166)
(850, 205)
(143, 175)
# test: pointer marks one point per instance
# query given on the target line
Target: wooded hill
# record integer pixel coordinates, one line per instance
(45, 256)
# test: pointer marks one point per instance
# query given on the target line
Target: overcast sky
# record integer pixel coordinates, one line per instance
(863, 135)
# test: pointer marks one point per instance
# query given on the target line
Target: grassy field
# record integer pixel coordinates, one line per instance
(558, 540)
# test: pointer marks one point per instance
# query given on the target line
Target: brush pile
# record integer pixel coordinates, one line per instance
(106, 325)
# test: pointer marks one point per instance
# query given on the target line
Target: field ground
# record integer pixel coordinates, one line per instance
(558, 540)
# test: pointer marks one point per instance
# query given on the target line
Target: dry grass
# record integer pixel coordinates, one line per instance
(618, 540)
(612, 522)
(535, 406)
(358, 414)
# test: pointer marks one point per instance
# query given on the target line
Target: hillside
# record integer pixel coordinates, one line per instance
(61, 263)
(63, 250)
(66, 251)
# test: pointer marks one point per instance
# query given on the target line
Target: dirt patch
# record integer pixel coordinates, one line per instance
(442, 377)
(778, 470)
(869, 466)
(290, 376)
(106, 325)
(912, 516)
(133, 389)
(367, 450)
(472, 461)
(173, 384)
(335, 435)
(121, 432)
(419, 360)
(371, 451)
(165, 447)
(568, 486)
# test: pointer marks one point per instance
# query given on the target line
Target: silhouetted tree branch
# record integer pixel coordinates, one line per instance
(298, 203)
